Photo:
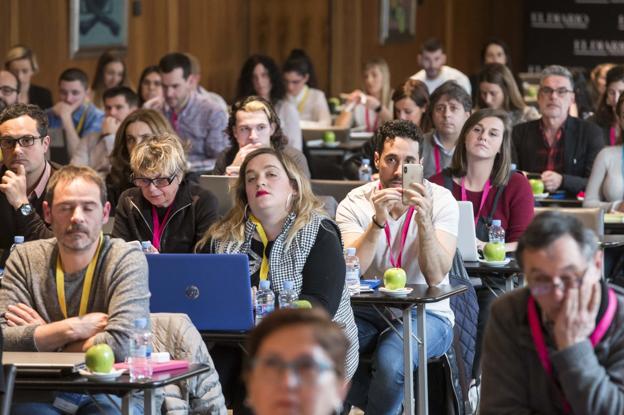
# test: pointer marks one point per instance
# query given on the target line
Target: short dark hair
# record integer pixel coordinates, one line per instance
(172, 61)
(72, 172)
(298, 61)
(245, 80)
(453, 91)
(18, 84)
(327, 334)
(390, 130)
(75, 74)
(33, 111)
(431, 45)
(549, 226)
(130, 96)
(498, 42)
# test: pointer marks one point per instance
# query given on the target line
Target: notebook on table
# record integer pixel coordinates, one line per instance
(44, 363)
(466, 236)
(214, 290)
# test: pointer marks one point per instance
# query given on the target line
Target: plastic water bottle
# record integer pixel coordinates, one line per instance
(17, 240)
(140, 356)
(496, 232)
(265, 301)
(146, 246)
(365, 171)
(352, 277)
(288, 295)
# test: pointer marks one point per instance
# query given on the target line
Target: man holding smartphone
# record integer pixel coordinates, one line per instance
(419, 236)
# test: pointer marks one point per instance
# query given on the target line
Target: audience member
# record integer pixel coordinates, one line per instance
(556, 345)
(74, 115)
(374, 220)
(598, 82)
(498, 90)
(606, 116)
(369, 108)
(605, 187)
(279, 223)
(22, 62)
(196, 78)
(150, 85)
(559, 147)
(311, 103)
(110, 72)
(449, 108)
(138, 126)
(40, 298)
(313, 350)
(434, 73)
(254, 124)
(119, 102)
(9, 89)
(494, 50)
(261, 76)
(25, 173)
(165, 207)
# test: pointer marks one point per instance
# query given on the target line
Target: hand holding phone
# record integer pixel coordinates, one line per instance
(412, 173)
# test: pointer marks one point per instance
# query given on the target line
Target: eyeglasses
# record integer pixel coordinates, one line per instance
(8, 143)
(306, 369)
(560, 92)
(157, 181)
(7, 90)
(566, 282)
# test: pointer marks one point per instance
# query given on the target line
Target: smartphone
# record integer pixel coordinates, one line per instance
(411, 173)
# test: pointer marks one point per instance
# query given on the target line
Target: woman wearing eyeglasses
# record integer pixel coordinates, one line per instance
(165, 208)
(296, 364)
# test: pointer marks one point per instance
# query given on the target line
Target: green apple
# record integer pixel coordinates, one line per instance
(302, 304)
(537, 186)
(494, 251)
(329, 137)
(100, 358)
(395, 278)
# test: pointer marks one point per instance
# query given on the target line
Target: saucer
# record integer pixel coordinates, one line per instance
(495, 263)
(541, 195)
(101, 377)
(332, 144)
(401, 292)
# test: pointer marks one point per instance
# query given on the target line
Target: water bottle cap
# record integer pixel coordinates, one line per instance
(140, 323)
(496, 222)
(265, 284)
(288, 285)
(18, 239)
(365, 161)
(514, 167)
(351, 251)
(146, 244)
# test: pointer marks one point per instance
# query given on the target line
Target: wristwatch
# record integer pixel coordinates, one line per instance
(26, 209)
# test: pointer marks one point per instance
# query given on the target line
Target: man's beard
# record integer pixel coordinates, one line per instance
(3, 104)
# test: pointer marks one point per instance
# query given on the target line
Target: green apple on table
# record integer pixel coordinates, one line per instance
(537, 186)
(100, 358)
(302, 304)
(329, 137)
(395, 278)
(494, 251)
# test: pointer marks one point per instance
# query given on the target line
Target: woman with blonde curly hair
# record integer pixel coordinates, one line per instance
(279, 223)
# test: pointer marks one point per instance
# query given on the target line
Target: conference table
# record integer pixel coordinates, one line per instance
(420, 296)
(121, 386)
(482, 270)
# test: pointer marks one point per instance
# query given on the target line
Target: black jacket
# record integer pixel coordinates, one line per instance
(12, 222)
(194, 210)
(582, 141)
(40, 96)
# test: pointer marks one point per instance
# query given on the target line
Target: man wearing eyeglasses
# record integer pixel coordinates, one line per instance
(558, 147)
(25, 173)
(557, 345)
(9, 89)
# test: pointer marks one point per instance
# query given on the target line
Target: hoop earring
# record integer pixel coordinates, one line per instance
(289, 201)
(246, 213)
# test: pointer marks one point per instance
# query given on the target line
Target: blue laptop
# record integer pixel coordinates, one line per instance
(213, 290)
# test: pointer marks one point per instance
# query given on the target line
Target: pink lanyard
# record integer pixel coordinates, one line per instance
(368, 127)
(612, 136)
(174, 120)
(436, 156)
(397, 263)
(484, 195)
(158, 226)
(540, 344)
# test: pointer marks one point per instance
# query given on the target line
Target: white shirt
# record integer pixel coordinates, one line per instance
(312, 106)
(355, 213)
(446, 74)
(289, 121)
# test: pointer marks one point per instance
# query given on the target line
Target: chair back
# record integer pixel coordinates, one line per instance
(592, 218)
(9, 383)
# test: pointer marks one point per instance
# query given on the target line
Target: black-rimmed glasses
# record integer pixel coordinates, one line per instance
(540, 288)
(8, 143)
(7, 90)
(306, 368)
(156, 181)
(560, 92)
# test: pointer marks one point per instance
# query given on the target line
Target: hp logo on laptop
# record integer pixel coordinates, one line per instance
(192, 292)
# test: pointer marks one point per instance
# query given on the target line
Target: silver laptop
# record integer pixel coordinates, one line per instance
(44, 363)
(220, 187)
(466, 236)
(336, 188)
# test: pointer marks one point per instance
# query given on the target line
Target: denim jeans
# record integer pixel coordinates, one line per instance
(382, 391)
(87, 406)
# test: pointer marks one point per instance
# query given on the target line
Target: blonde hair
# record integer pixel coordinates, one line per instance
(304, 203)
(386, 92)
(19, 52)
(160, 155)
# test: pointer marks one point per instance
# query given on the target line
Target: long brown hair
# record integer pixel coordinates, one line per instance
(502, 162)
(499, 74)
(304, 203)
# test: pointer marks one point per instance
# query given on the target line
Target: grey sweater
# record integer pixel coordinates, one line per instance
(119, 289)
(514, 381)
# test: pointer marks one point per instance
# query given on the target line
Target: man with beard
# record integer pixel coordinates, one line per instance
(9, 89)
(75, 290)
(434, 70)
